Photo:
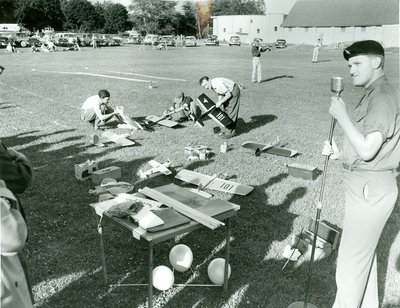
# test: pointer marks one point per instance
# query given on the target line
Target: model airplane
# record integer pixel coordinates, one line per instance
(129, 123)
(210, 110)
(109, 136)
(156, 168)
(271, 148)
(213, 182)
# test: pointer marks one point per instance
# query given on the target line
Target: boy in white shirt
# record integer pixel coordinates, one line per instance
(96, 110)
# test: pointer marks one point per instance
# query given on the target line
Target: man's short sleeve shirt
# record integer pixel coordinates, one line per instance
(222, 85)
(378, 111)
(93, 103)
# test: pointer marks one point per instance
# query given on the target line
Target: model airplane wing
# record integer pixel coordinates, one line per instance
(212, 182)
(161, 121)
(131, 124)
(260, 147)
(120, 139)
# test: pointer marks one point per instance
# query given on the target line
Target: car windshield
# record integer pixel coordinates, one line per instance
(234, 37)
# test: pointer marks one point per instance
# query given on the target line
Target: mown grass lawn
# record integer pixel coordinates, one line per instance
(40, 97)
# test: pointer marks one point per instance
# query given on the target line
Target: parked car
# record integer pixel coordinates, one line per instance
(264, 46)
(3, 41)
(134, 39)
(212, 40)
(22, 39)
(168, 40)
(190, 41)
(280, 43)
(85, 39)
(150, 39)
(65, 39)
(234, 40)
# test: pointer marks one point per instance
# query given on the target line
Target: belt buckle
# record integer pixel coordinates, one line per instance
(347, 167)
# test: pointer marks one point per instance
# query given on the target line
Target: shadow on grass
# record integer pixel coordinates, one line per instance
(255, 122)
(276, 77)
(7, 105)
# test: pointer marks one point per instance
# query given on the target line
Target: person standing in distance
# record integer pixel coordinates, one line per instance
(317, 47)
(371, 153)
(256, 50)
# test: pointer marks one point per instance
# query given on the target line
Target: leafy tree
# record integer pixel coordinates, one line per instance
(204, 13)
(156, 16)
(187, 20)
(7, 8)
(116, 18)
(239, 7)
(99, 8)
(39, 13)
(80, 15)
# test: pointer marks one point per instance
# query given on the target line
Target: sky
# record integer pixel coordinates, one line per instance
(273, 6)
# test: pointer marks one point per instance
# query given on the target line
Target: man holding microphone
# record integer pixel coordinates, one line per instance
(371, 154)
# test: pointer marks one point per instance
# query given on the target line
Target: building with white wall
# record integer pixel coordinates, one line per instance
(247, 27)
(343, 21)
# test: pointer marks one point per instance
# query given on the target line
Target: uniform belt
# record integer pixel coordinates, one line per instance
(348, 167)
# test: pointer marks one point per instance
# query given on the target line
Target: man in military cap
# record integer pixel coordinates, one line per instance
(371, 153)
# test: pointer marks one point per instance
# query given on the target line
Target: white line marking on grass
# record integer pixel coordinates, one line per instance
(31, 93)
(149, 76)
(46, 289)
(161, 300)
(98, 75)
(236, 298)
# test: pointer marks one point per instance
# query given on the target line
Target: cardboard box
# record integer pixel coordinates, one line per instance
(303, 171)
(110, 172)
(84, 170)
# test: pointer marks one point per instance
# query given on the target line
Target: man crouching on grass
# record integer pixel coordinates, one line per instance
(96, 110)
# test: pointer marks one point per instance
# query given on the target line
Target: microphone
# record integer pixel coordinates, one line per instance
(337, 85)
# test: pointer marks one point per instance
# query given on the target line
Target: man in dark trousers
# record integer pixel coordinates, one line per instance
(371, 154)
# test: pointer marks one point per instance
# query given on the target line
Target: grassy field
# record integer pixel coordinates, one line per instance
(40, 97)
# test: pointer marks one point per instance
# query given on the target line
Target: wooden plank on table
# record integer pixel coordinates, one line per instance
(182, 208)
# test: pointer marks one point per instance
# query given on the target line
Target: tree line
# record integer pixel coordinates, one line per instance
(146, 16)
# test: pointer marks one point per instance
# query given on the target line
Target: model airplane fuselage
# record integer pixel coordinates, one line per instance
(213, 182)
(156, 168)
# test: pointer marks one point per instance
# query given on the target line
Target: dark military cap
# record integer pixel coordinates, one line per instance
(363, 48)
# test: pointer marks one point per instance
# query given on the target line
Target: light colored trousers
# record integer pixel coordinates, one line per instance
(370, 197)
(256, 75)
(315, 54)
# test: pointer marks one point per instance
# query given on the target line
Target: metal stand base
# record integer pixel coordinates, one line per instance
(301, 305)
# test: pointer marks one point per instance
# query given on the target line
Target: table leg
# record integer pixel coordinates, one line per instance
(227, 248)
(150, 286)
(102, 254)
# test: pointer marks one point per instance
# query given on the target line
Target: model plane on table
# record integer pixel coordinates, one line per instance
(213, 182)
(156, 168)
(270, 148)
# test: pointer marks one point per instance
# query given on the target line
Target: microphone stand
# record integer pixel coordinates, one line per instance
(306, 304)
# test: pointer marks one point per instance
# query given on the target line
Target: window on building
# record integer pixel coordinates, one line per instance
(363, 29)
(258, 30)
(224, 30)
(343, 29)
(275, 29)
(305, 29)
(251, 21)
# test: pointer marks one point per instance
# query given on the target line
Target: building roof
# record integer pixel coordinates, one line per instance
(343, 13)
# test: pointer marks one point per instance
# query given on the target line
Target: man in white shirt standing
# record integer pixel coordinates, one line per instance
(228, 99)
(96, 110)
